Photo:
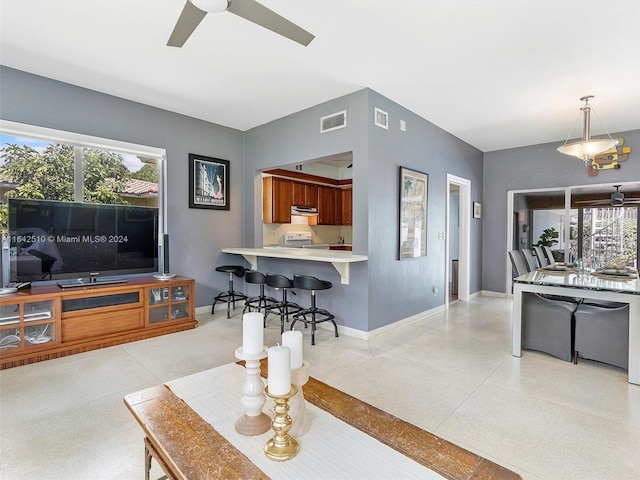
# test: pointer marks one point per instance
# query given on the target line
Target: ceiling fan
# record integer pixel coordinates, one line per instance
(616, 200)
(195, 10)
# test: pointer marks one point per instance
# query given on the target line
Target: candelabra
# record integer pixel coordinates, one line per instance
(254, 421)
(281, 447)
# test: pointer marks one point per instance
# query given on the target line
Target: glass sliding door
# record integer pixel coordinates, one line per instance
(609, 236)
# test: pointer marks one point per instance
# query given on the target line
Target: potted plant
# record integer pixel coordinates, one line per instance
(548, 238)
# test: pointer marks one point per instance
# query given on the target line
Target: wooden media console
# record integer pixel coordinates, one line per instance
(48, 322)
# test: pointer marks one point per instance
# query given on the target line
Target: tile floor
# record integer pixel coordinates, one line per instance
(450, 373)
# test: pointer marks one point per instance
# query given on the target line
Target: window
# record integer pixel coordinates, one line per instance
(53, 165)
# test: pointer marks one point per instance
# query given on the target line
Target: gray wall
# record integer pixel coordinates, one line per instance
(297, 138)
(399, 289)
(383, 290)
(537, 166)
(196, 235)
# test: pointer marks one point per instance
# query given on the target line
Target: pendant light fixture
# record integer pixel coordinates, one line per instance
(587, 148)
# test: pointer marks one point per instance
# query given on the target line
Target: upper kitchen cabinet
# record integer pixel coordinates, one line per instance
(346, 206)
(277, 199)
(327, 205)
(305, 194)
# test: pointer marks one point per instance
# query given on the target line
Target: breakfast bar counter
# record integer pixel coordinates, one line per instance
(340, 259)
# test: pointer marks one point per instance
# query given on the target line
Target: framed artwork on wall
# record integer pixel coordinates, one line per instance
(208, 182)
(477, 210)
(414, 188)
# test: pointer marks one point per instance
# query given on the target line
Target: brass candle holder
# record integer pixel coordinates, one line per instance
(281, 447)
(254, 421)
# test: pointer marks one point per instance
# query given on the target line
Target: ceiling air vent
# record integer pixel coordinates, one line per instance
(381, 118)
(333, 121)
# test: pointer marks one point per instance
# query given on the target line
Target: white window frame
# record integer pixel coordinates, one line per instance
(89, 141)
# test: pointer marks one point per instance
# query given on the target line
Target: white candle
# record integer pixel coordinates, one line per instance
(279, 370)
(252, 333)
(293, 340)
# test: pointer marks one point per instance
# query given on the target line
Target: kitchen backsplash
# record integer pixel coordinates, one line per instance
(273, 233)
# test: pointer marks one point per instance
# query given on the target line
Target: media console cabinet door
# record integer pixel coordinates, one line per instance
(101, 324)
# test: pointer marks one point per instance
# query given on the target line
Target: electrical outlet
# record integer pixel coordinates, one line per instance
(435, 291)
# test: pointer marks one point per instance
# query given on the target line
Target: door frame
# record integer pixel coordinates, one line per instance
(464, 238)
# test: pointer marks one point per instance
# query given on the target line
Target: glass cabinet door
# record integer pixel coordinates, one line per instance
(39, 323)
(10, 326)
(179, 301)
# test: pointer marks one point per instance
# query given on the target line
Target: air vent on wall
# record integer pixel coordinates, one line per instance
(381, 118)
(333, 121)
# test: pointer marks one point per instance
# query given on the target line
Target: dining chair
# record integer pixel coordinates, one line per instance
(548, 325)
(542, 259)
(602, 332)
(550, 256)
(517, 263)
(529, 260)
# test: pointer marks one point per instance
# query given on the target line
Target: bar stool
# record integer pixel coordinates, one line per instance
(231, 296)
(260, 302)
(283, 308)
(318, 315)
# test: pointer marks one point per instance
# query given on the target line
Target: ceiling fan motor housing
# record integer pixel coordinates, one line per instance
(617, 199)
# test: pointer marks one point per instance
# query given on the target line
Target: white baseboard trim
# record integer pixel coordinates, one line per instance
(353, 332)
(489, 293)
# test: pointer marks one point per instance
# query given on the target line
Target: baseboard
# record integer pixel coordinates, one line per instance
(353, 332)
(489, 293)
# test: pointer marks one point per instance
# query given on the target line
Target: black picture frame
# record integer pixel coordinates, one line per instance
(208, 182)
(413, 214)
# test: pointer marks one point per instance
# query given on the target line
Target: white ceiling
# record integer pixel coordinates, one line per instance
(497, 74)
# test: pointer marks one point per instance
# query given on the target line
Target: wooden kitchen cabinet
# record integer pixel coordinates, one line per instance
(346, 206)
(327, 202)
(305, 194)
(277, 199)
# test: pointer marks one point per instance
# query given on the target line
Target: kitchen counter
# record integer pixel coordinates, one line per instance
(340, 259)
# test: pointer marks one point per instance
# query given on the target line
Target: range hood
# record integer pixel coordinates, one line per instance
(304, 211)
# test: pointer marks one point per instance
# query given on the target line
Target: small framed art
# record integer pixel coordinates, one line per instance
(208, 182)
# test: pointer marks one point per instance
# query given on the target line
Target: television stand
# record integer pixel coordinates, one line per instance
(47, 321)
(89, 282)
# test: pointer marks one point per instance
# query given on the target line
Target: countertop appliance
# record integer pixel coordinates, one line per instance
(302, 240)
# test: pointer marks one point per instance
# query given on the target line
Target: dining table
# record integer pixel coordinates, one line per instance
(612, 285)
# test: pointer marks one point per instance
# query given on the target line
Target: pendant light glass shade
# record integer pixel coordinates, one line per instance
(587, 148)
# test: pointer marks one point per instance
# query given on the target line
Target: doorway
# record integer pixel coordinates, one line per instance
(458, 239)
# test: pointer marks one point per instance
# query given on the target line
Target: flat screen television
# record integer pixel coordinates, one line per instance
(52, 240)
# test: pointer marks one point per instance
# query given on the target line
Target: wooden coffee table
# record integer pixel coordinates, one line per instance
(187, 447)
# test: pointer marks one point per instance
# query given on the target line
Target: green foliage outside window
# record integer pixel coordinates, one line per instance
(50, 175)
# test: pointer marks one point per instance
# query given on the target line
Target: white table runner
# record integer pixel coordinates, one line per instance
(331, 449)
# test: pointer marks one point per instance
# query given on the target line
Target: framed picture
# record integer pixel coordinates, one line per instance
(477, 210)
(208, 182)
(414, 189)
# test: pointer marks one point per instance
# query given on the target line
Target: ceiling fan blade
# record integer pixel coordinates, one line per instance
(260, 15)
(190, 18)
(594, 202)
